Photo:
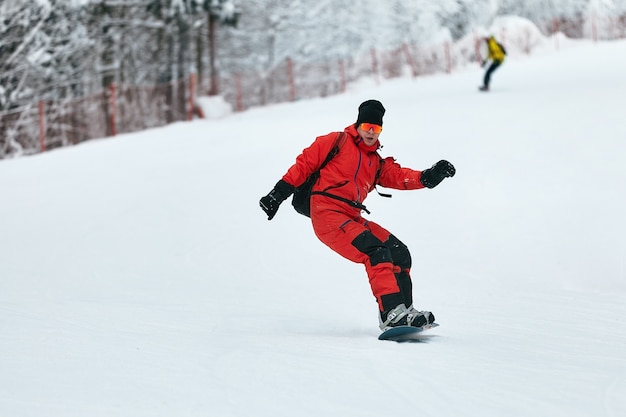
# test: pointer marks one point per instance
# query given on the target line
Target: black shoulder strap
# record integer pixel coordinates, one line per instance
(335, 149)
(380, 169)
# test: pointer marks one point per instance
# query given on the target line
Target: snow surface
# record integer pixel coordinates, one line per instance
(139, 277)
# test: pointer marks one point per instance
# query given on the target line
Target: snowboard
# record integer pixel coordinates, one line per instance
(405, 333)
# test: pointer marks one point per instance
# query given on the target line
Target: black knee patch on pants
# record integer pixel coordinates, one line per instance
(399, 252)
(373, 247)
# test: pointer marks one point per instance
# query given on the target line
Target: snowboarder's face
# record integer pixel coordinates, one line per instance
(369, 136)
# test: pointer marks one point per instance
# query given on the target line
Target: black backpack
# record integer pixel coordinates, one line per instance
(301, 200)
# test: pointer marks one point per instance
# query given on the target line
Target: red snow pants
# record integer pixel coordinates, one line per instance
(387, 261)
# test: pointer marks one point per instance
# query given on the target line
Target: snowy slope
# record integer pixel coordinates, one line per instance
(138, 276)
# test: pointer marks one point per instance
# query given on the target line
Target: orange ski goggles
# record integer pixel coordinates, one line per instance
(371, 126)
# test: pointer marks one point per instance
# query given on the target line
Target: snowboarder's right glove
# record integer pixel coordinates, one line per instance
(271, 202)
(432, 176)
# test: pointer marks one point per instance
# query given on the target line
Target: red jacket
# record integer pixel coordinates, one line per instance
(351, 174)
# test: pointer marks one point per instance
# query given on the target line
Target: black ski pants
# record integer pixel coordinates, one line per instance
(494, 66)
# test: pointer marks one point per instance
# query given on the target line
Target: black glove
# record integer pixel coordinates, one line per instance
(271, 202)
(432, 176)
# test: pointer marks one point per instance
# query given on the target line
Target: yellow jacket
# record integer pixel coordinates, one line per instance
(496, 53)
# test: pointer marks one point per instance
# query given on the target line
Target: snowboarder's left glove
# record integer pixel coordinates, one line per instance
(272, 201)
(432, 176)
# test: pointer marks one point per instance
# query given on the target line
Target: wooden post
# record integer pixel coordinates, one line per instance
(555, 32)
(446, 47)
(375, 66)
(342, 76)
(42, 128)
(477, 42)
(290, 76)
(112, 109)
(594, 28)
(239, 92)
(192, 93)
(409, 59)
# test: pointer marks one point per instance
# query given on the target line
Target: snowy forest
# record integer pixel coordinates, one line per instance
(67, 55)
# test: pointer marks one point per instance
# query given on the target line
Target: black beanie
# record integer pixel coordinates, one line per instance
(371, 111)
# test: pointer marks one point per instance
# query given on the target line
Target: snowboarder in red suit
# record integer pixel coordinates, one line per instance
(355, 170)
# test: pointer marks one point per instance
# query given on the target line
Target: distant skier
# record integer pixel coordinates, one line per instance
(337, 201)
(496, 53)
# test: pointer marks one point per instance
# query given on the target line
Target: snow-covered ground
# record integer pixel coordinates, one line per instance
(139, 277)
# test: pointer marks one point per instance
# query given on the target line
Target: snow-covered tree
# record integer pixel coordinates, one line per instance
(44, 52)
